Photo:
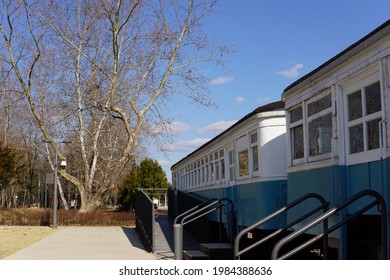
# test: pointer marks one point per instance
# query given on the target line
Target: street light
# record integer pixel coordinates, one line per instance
(63, 166)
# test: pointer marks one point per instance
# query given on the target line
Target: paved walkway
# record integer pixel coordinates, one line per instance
(164, 239)
(87, 243)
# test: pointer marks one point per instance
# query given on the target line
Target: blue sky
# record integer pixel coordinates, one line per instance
(275, 42)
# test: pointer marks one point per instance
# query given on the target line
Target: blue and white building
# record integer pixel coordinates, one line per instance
(338, 124)
(246, 163)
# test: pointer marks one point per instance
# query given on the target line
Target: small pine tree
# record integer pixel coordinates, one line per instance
(148, 175)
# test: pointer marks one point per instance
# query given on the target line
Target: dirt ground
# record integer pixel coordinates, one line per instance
(13, 239)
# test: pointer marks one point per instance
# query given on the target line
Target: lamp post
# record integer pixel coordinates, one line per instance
(63, 166)
(55, 206)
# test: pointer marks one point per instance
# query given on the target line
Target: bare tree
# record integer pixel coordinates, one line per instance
(97, 71)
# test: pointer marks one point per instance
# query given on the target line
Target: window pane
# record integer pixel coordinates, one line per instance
(297, 141)
(296, 114)
(231, 157)
(243, 163)
(373, 134)
(320, 135)
(255, 156)
(231, 174)
(356, 143)
(196, 178)
(319, 105)
(217, 171)
(222, 169)
(355, 105)
(253, 138)
(373, 98)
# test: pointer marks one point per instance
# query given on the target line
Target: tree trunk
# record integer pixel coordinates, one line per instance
(63, 199)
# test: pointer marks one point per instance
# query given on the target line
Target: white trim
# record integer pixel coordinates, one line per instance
(360, 83)
(236, 140)
(313, 165)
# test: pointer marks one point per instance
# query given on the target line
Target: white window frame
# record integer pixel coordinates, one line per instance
(231, 162)
(366, 155)
(222, 161)
(313, 117)
(292, 125)
(255, 173)
(304, 122)
(212, 169)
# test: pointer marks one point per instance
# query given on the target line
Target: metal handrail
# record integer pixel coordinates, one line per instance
(378, 201)
(196, 213)
(324, 206)
(204, 204)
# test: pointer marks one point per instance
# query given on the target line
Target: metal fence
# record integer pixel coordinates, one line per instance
(180, 202)
(148, 203)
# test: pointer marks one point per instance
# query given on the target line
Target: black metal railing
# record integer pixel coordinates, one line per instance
(379, 201)
(196, 213)
(144, 222)
(324, 206)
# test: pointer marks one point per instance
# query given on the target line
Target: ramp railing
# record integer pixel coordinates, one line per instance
(144, 218)
(324, 206)
(196, 213)
(378, 201)
(147, 204)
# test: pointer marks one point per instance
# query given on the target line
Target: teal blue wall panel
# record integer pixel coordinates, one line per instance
(254, 201)
(337, 183)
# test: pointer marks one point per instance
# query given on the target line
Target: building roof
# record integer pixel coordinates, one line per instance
(343, 56)
(275, 106)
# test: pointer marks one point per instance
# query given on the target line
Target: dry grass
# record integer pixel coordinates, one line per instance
(14, 239)
(42, 217)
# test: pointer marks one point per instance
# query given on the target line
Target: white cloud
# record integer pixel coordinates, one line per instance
(179, 128)
(186, 146)
(221, 80)
(293, 72)
(216, 128)
(240, 99)
(171, 129)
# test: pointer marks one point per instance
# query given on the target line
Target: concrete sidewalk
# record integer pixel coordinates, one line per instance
(87, 243)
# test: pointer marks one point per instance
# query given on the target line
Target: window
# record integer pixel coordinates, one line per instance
(203, 171)
(364, 115)
(311, 129)
(319, 105)
(207, 174)
(255, 156)
(296, 114)
(297, 142)
(296, 132)
(320, 125)
(231, 165)
(255, 152)
(217, 171)
(243, 163)
(211, 171)
(222, 164)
